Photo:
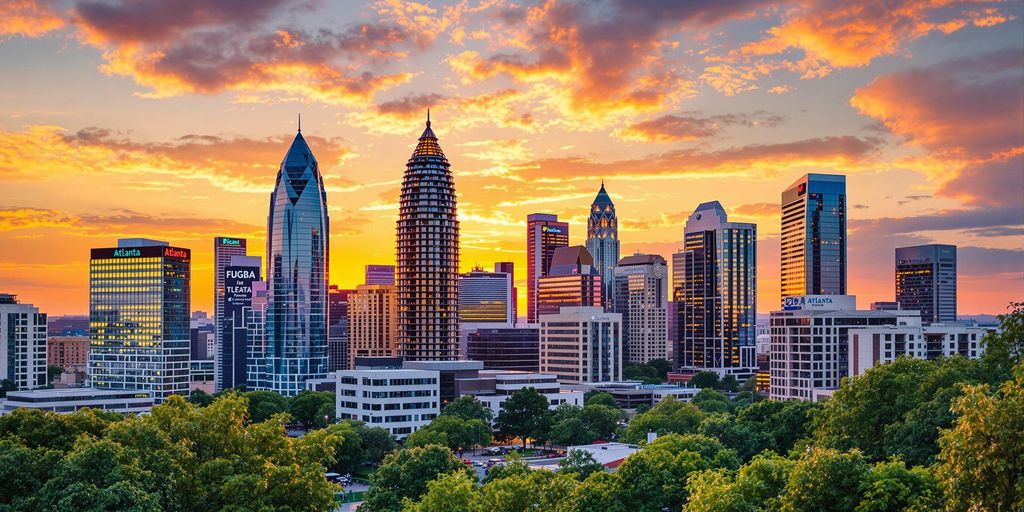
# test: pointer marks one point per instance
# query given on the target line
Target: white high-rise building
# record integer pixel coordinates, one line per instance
(581, 344)
(22, 343)
(640, 295)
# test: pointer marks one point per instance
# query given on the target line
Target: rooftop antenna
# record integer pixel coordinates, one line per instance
(428, 117)
(300, 123)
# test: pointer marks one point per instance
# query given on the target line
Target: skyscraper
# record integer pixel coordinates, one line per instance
(22, 344)
(572, 281)
(238, 279)
(379, 274)
(428, 256)
(298, 250)
(544, 234)
(139, 298)
(509, 268)
(224, 248)
(485, 297)
(337, 328)
(926, 281)
(603, 241)
(372, 322)
(814, 236)
(641, 297)
(716, 292)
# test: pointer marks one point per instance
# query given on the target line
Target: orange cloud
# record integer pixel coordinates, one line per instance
(672, 128)
(27, 18)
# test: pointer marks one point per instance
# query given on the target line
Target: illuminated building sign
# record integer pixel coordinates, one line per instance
(127, 253)
(820, 302)
(236, 242)
(173, 252)
(238, 288)
(550, 229)
(801, 189)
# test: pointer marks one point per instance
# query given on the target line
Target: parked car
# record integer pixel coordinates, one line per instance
(478, 464)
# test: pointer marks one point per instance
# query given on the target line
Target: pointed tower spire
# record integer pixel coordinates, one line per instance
(300, 124)
(428, 118)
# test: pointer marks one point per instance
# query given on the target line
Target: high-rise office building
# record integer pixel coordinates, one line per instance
(239, 275)
(926, 281)
(716, 294)
(257, 367)
(139, 298)
(572, 281)
(581, 345)
(224, 248)
(814, 236)
(428, 256)
(641, 297)
(509, 268)
(380, 274)
(485, 297)
(22, 343)
(505, 348)
(298, 249)
(372, 322)
(603, 242)
(337, 328)
(544, 234)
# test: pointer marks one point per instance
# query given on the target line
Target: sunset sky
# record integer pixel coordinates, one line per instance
(169, 120)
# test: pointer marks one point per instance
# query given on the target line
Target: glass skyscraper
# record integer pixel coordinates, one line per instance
(603, 241)
(544, 234)
(715, 290)
(428, 256)
(814, 236)
(298, 249)
(139, 296)
(486, 297)
(926, 281)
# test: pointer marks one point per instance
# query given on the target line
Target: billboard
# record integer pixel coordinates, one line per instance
(153, 251)
(820, 303)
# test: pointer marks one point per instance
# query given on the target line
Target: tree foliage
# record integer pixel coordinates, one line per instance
(524, 414)
(456, 433)
(667, 416)
(404, 474)
(580, 463)
(310, 407)
(468, 407)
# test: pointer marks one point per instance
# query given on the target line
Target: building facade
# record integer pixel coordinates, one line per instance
(239, 275)
(581, 344)
(399, 400)
(23, 346)
(716, 294)
(224, 248)
(139, 302)
(428, 256)
(814, 236)
(810, 342)
(572, 281)
(509, 268)
(372, 322)
(926, 281)
(544, 234)
(872, 346)
(337, 328)
(379, 274)
(66, 401)
(298, 251)
(68, 352)
(257, 361)
(641, 297)
(505, 348)
(486, 297)
(493, 387)
(603, 241)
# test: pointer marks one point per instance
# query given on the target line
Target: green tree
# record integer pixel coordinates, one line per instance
(756, 486)
(524, 414)
(893, 486)
(602, 420)
(729, 383)
(522, 492)
(456, 433)
(468, 407)
(570, 432)
(982, 457)
(667, 416)
(307, 406)
(711, 401)
(652, 478)
(513, 465)
(453, 492)
(580, 463)
(785, 421)
(53, 371)
(405, 473)
(7, 385)
(39, 429)
(661, 367)
(1004, 348)
(348, 452)
(705, 380)
(200, 398)
(747, 439)
(601, 398)
(377, 442)
(265, 404)
(825, 479)
(599, 492)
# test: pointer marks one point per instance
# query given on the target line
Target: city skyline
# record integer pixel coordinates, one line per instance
(151, 149)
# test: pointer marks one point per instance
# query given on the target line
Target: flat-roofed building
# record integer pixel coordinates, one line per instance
(68, 352)
(399, 400)
(69, 400)
(581, 344)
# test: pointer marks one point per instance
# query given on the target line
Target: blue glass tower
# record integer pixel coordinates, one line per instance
(297, 262)
(603, 242)
(814, 236)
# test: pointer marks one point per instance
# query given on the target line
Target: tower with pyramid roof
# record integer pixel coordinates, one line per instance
(603, 242)
(427, 274)
(298, 249)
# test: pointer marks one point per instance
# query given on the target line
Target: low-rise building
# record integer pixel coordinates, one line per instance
(871, 346)
(73, 399)
(493, 387)
(399, 400)
(632, 394)
(505, 347)
(68, 352)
